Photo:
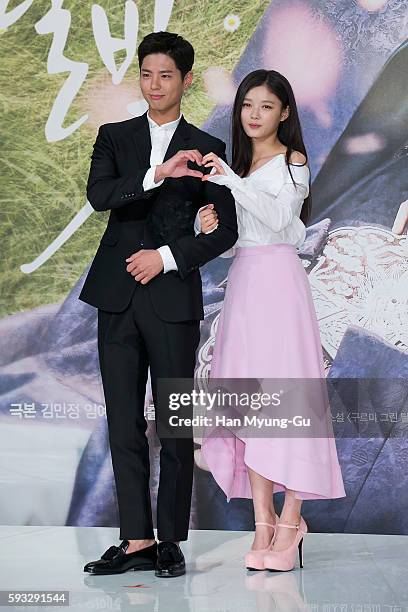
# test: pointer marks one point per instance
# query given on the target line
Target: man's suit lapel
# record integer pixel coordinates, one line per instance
(143, 144)
(180, 139)
(142, 140)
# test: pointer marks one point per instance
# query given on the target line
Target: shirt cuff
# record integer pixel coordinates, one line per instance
(229, 179)
(169, 263)
(148, 181)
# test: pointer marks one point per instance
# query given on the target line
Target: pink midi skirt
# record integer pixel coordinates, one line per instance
(268, 329)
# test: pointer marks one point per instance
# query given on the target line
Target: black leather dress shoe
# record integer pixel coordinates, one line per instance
(116, 561)
(170, 560)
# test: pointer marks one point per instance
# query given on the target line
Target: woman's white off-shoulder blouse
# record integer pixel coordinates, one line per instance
(267, 203)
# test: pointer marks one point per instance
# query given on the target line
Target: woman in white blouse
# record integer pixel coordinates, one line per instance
(268, 327)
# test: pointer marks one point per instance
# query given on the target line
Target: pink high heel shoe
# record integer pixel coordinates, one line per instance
(285, 560)
(254, 559)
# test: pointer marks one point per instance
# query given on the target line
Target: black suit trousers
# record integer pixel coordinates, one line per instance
(130, 342)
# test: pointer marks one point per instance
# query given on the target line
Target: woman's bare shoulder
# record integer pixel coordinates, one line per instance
(297, 158)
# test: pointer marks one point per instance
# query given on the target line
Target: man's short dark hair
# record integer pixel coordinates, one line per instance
(173, 45)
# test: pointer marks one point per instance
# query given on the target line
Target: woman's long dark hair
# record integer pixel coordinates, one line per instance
(289, 131)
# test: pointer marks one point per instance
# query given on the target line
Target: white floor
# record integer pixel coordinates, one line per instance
(342, 572)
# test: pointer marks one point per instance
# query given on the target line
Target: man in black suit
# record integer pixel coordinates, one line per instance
(146, 284)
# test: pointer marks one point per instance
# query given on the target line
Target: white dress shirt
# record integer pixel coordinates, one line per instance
(267, 203)
(160, 136)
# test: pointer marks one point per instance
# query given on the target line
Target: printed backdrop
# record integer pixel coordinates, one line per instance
(68, 67)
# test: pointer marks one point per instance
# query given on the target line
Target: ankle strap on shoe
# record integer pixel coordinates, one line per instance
(267, 524)
(291, 526)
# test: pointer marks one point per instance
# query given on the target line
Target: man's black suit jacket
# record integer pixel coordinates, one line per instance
(149, 219)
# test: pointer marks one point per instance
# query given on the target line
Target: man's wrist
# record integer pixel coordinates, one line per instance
(159, 174)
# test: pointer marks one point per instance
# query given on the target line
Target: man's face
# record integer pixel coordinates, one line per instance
(161, 82)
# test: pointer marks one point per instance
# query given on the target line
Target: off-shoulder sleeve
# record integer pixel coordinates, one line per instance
(275, 201)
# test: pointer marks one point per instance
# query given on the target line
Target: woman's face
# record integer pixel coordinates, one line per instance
(262, 112)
